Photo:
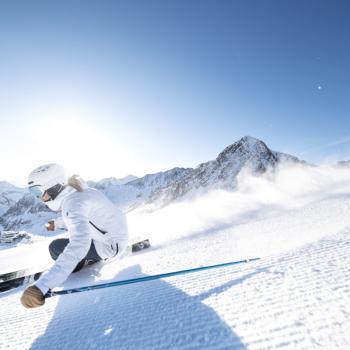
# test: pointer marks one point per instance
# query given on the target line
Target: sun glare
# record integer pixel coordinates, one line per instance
(83, 145)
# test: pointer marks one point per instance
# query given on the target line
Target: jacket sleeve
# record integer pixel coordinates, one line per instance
(59, 223)
(75, 213)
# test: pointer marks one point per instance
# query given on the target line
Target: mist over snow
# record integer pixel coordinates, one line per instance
(291, 197)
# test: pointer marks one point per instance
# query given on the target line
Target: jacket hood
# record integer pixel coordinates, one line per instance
(77, 182)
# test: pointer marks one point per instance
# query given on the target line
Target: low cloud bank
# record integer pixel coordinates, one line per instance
(288, 188)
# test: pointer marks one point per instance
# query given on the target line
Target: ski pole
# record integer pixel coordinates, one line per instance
(144, 279)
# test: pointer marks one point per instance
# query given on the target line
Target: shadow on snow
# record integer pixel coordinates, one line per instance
(149, 315)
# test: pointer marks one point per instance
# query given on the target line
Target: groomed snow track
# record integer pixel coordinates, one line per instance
(297, 300)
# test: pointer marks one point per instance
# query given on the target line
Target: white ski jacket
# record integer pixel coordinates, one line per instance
(88, 215)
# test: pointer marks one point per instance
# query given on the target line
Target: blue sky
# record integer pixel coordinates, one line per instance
(109, 88)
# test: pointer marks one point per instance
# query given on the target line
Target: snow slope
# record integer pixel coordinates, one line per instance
(296, 297)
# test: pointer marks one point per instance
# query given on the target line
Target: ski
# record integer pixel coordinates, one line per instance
(18, 278)
(27, 276)
(136, 247)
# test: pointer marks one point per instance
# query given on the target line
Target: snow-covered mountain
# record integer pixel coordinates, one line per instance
(249, 153)
(24, 213)
(9, 195)
(164, 187)
(111, 181)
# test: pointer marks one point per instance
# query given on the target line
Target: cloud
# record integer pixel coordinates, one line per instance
(290, 188)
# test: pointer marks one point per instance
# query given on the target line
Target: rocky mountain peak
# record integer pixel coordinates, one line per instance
(245, 148)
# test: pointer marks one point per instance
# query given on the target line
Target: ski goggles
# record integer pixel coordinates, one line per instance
(36, 191)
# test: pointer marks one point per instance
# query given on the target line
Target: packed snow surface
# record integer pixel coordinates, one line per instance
(296, 297)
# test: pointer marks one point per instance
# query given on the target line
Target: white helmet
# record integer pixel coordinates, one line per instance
(45, 177)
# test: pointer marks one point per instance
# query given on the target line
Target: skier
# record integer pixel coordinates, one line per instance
(97, 229)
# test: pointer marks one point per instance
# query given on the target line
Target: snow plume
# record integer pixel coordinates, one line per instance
(274, 194)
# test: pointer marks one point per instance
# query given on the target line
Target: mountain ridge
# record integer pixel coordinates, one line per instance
(162, 188)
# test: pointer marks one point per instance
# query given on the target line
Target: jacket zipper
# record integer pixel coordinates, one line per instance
(98, 229)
